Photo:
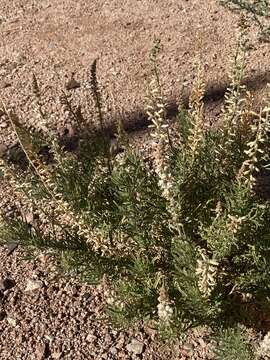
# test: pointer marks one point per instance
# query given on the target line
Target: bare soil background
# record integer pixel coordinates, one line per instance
(62, 319)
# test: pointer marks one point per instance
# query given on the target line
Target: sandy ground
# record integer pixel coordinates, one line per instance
(53, 39)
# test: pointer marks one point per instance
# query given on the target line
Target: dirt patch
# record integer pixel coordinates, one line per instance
(55, 38)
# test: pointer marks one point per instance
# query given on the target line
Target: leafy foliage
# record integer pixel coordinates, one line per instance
(181, 238)
(233, 345)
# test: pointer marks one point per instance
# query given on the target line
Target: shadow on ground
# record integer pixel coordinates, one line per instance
(137, 120)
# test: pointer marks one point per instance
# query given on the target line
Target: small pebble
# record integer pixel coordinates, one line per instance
(72, 84)
(135, 346)
(6, 284)
(33, 285)
(11, 321)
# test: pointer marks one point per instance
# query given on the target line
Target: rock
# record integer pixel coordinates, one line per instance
(11, 321)
(6, 284)
(72, 84)
(87, 296)
(3, 148)
(107, 339)
(151, 332)
(113, 350)
(3, 124)
(122, 355)
(189, 349)
(11, 247)
(57, 355)
(4, 85)
(33, 285)
(136, 347)
(42, 351)
(91, 338)
(2, 315)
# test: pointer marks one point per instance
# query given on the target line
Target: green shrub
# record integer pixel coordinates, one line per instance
(182, 238)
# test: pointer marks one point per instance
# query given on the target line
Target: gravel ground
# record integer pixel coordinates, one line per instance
(43, 315)
(57, 38)
(46, 316)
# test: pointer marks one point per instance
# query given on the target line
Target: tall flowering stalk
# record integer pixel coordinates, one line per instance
(156, 111)
(165, 307)
(206, 272)
(196, 135)
(163, 146)
(256, 151)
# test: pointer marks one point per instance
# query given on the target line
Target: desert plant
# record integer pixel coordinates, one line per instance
(182, 238)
